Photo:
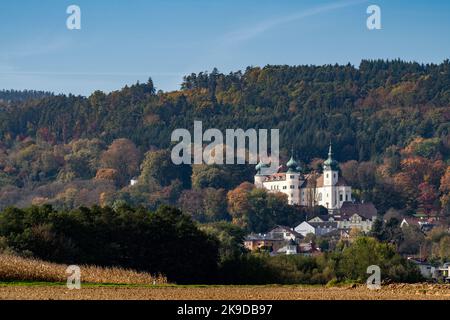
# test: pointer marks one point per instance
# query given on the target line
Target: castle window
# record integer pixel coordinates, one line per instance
(292, 187)
(341, 197)
(327, 175)
(292, 177)
(284, 187)
(320, 196)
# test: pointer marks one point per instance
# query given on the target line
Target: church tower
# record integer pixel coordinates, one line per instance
(330, 179)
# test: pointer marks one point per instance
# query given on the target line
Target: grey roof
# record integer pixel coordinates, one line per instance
(287, 229)
(258, 237)
(366, 210)
(325, 224)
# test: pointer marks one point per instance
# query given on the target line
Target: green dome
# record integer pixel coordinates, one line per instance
(260, 166)
(292, 163)
(293, 166)
(330, 163)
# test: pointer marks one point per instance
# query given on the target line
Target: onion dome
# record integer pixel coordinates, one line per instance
(260, 166)
(292, 165)
(330, 163)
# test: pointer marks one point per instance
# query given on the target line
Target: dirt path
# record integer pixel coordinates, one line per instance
(390, 292)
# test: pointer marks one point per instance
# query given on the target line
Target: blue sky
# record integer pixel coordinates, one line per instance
(122, 41)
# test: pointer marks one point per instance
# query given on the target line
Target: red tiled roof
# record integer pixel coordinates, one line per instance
(276, 177)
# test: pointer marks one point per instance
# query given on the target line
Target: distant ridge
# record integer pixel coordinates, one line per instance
(22, 95)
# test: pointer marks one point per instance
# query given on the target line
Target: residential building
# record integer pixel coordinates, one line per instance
(274, 240)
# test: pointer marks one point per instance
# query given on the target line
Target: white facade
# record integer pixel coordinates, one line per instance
(317, 227)
(305, 228)
(356, 222)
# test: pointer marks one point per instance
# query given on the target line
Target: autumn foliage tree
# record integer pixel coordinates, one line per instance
(445, 190)
(258, 210)
(122, 156)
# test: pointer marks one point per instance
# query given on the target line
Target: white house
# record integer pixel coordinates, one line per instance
(305, 228)
(290, 248)
(426, 270)
(327, 189)
(316, 226)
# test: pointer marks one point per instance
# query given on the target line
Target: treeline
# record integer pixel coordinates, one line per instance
(164, 241)
(168, 242)
(22, 95)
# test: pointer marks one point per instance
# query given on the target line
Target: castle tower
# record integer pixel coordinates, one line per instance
(259, 177)
(293, 180)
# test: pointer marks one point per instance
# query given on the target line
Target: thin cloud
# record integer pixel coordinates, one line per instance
(93, 74)
(249, 33)
(37, 47)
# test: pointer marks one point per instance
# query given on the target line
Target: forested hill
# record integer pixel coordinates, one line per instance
(362, 110)
(379, 114)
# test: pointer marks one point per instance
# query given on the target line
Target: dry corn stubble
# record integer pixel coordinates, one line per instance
(14, 268)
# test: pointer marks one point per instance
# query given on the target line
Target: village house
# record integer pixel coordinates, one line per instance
(442, 273)
(427, 270)
(267, 242)
(280, 241)
(430, 272)
(316, 226)
(274, 240)
(423, 223)
(359, 216)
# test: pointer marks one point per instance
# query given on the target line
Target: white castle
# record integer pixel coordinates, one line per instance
(327, 189)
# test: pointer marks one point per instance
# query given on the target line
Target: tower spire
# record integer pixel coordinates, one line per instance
(330, 163)
(330, 153)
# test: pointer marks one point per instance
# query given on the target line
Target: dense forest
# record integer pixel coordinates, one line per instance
(389, 122)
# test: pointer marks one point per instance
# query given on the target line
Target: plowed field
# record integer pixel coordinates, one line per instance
(388, 292)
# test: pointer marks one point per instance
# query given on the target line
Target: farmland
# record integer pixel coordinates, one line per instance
(42, 291)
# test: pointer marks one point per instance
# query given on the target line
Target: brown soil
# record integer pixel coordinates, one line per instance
(388, 292)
